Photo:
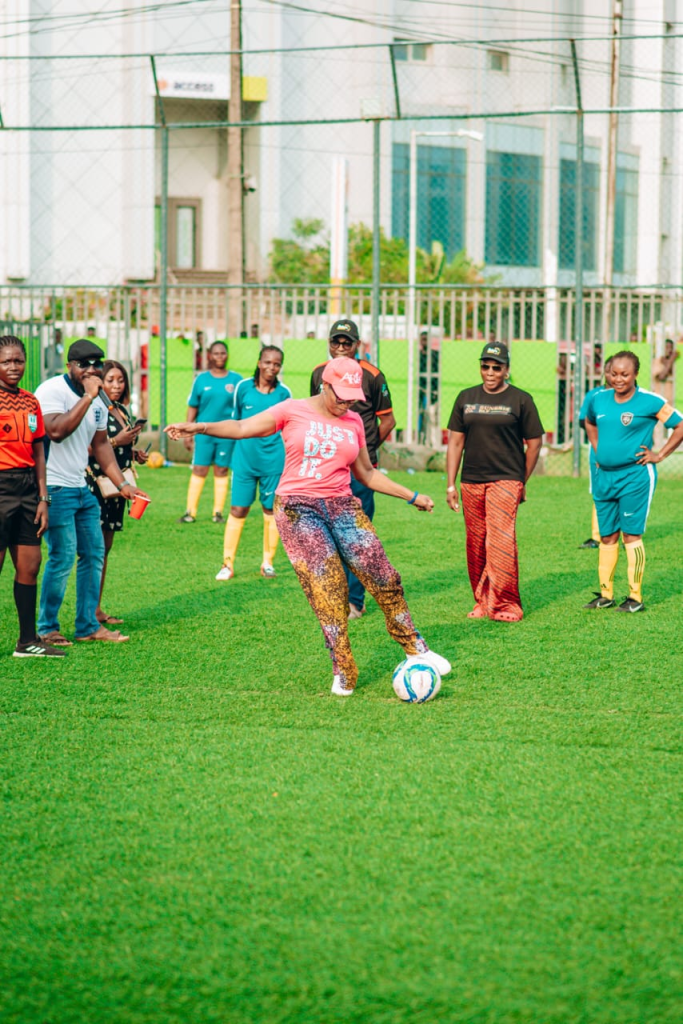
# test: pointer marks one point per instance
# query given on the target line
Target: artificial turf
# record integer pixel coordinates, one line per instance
(195, 831)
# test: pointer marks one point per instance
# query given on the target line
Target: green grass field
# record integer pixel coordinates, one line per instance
(195, 831)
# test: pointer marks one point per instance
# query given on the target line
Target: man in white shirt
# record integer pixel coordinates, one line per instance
(75, 418)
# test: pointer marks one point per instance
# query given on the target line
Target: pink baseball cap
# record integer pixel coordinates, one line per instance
(345, 377)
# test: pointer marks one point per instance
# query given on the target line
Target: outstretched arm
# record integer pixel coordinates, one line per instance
(363, 471)
(261, 425)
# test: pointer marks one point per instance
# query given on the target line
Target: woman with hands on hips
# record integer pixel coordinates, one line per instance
(322, 525)
(489, 427)
(620, 424)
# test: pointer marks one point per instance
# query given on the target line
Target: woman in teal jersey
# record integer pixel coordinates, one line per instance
(257, 460)
(620, 425)
(212, 398)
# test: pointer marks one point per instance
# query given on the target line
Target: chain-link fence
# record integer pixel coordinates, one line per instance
(490, 160)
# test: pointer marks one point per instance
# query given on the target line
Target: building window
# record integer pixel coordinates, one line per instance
(591, 196)
(625, 221)
(408, 51)
(498, 60)
(441, 179)
(513, 209)
(184, 232)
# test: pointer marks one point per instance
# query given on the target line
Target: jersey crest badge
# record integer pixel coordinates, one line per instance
(32, 422)
(626, 418)
(230, 388)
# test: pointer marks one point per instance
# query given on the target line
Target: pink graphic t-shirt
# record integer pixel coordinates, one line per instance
(318, 449)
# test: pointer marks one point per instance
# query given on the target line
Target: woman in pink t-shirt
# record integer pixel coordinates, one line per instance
(321, 524)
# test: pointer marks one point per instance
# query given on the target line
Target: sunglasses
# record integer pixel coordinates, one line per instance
(496, 367)
(341, 401)
(97, 364)
(342, 342)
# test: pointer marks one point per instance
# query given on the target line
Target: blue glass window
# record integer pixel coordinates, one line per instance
(591, 197)
(441, 179)
(513, 209)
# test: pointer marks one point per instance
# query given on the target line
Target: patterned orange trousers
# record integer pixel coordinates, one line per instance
(490, 512)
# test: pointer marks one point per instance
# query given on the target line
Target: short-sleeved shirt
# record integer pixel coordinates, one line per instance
(67, 459)
(318, 449)
(377, 401)
(258, 456)
(586, 406)
(624, 426)
(495, 428)
(214, 397)
(21, 423)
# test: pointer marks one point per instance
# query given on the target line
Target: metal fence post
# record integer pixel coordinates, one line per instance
(376, 238)
(578, 268)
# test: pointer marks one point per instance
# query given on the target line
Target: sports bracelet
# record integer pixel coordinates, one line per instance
(411, 501)
(124, 483)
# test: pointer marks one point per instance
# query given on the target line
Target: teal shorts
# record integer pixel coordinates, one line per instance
(243, 490)
(212, 451)
(623, 497)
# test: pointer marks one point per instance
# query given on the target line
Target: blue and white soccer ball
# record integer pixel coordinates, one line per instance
(415, 680)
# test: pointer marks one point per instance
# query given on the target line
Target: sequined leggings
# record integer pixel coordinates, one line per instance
(320, 536)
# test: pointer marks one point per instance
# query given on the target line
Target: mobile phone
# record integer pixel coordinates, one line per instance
(139, 424)
(148, 447)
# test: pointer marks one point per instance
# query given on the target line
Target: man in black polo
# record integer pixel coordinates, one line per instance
(378, 421)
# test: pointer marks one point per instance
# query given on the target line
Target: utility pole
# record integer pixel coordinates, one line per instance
(617, 16)
(235, 175)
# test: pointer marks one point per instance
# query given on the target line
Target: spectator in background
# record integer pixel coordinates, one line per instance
(76, 419)
(90, 332)
(254, 331)
(54, 355)
(378, 420)
(663, 369)
(122, 434)
(212, 398)
(199, 351)
(428, 384)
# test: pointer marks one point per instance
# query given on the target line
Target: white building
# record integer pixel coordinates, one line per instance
(78, 207)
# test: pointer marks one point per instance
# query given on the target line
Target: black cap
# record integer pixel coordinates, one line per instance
(347, 328)
(84, 349)
(497, 351)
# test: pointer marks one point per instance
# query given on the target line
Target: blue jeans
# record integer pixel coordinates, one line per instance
(367, 500)
(74, 530)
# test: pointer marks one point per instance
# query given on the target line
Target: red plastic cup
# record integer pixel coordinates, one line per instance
(138, 506)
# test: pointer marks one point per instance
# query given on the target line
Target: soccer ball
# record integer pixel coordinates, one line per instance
(155, 460)
(415, 680)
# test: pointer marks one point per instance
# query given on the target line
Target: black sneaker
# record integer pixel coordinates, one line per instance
(37, 649)
(217, 517)
(600, 602)
(187, 518)
(590, 543)
(631, 605)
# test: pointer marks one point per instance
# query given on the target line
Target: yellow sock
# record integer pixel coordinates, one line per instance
(635, 554)
(607, 564)
(270, 539)
(595, 529)
(220, 493)
(231, 539)
(194, 493)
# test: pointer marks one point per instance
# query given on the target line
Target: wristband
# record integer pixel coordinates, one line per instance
(124, 483)
(411, 501)
(449, 490)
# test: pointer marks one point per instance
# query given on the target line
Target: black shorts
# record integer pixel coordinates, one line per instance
(18, 508)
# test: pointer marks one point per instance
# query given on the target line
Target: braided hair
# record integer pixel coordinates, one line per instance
(8, 340)
(268, 348)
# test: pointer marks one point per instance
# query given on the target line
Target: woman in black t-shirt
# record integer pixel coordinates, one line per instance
(490, 424)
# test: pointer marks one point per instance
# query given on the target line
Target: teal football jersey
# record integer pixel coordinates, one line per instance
(624, 426)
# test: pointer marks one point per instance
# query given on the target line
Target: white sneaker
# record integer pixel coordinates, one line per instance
(338, 690)
(442, 665)
(226, 572)
(268, 571)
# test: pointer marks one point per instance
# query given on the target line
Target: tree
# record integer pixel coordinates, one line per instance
(305, 259)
